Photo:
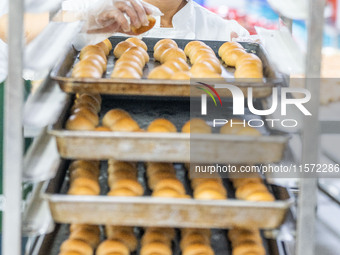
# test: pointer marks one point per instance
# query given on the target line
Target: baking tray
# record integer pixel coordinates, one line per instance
(149, 87)
(150, 211)
(165, 147)
(50, 245)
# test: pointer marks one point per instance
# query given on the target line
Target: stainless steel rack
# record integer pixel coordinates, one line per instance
(13, 136)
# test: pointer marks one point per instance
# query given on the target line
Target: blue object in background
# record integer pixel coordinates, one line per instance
(201, 2)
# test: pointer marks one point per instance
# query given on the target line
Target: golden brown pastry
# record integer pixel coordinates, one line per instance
(191, 46)
(171, 183)
(238, 182)
(87, 72)
(96, 58)
(143, 29)
(108, 44)
(125, 125)
(231, 56)
(155, 237)
(112, 116)
(86, 235)
(133, 185)
(169, 232)
(138, 42)
(129, 64)
(248, 73)
(104, 47)
(248, 247)
(173, 65)
(155, 248)
(112, 247)
(161, 49)
(140, 52)
(83, 184)
(160, 72)
(196, 249)
(210, 184)
(182, 75)
(208, 194)
(202, 67)
(83, 173)
(182, 63)
(121, 48)
(213, 61)
(102, 129)
(245, 190)
(88, 114)
(90, 165)
(164, 41)
(126, 72)
(205, 74)
(249, 57)
(162, 123)
(172, 53)
(91, 50)
(76, 246)
(195, 238)
(195, 56)
(93, 62)
(227, 46)
(131, 58)
(86, 98)
(260, 196)
(126, 237)
(80, 123)
(93, 228)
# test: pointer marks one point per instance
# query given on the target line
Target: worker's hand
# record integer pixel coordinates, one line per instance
(115, 19)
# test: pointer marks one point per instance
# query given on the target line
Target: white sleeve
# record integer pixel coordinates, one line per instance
(3, 61)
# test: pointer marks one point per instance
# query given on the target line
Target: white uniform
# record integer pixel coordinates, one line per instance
(195, 22)
(3, 46)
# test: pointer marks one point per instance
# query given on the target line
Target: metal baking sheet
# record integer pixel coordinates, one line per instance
(152, 211)
(50, 245)
(148, 87)
(165, 147)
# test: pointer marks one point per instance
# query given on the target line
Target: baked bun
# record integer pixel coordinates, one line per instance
(195, 56)
(238, 182)
(171, 183)
(126, 237)
(79, 122)
(197, 181)
(125, 125)
(143, 29)
(155, 237)
(87, 72)
(244, 191)
(136, 50)
(98, 58)
(155, 248)
(76, 246)
(248, 73)
(161, 49)
(173, 65)
(182, 63)
(161, 72)
(92, 50)
(227, 46)
(169, 232)
(249, 57)
(86, 235)
(166, 192)
(249, 247)
(88, 62)
(182, 75)
(211, 185)
(131, 58)
(196, 249)
(163, 123)
(191, 46)
(88, 183)
(130, 64)
(108, 44)
(102, 129)
(205, 74)
(88, 114)
(164, 41)
(202, 67)
(208, 194)
(194, 238)
(234, 128)
(112, 247)
(214, 62)
(89, 99)
(90, 165)
(82, 173)
(231, 56)
(126, 72)
(138, 42)
(112, 116)
(135, 186)
(121, 48)
(260, 196)
(172, 53)
(196, 125)
(104, 47)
